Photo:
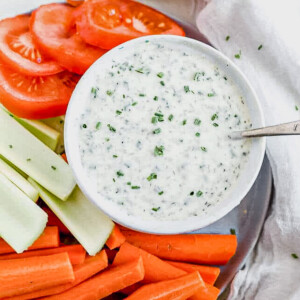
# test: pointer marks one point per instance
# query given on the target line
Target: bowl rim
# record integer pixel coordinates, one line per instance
(158, 226)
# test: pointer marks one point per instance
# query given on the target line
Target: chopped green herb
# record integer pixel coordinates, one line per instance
(124, 96)
(147, 41)
(107, 139)
(198, 76)
(225, 78)
(197, 134)
(191, 193)
(171, 117)
(296, 107)
(142, 95)
(128, 183)
(154, 120)
(94, 92)
(53, 168)
(162, 83)
(156, 131)
(199, 193)
(294, 255)
(10, 146)
(183, 122)
(109, 93)
(134, 103)
(197, 122)
(114, 180)
(160, 74)
(98, 125)
(227, 38)
(155, 208)
(211, 94)
(238, 55)
(28, 159)
(140, 70)
(159, 151)
(259, 47)
(214, 116)
(160, 193)
(186, 88)
(115, 156)
(160, 116)
(155, 98)
(232, 231)
(120, 173)
(204, 149)
(118, 112)
(152, 176)
(216, 124)
(84, 126)
(135, 187)
(112, 129)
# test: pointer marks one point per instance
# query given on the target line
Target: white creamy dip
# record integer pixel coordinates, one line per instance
(154, 132)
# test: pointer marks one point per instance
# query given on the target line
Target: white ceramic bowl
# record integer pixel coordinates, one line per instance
(247, 177)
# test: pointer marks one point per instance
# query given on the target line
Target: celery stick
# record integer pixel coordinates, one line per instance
(19, 181)
(34, 158)
(21, 220)
(57, 123)
(13, 166)
(89, 225)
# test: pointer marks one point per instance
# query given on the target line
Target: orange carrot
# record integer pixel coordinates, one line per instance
(105, 283)
(64, 157)
(91, 266)
(24, 275)
(180, 288)
(116, 239)
(208, 274)
(48, 239)
(76, 253)
(214, 249)
(157, 270)
(53, 220)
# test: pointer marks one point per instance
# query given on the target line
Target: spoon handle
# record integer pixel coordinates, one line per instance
(292, 128)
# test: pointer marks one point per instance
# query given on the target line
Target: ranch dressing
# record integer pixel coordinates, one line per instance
(154, 132)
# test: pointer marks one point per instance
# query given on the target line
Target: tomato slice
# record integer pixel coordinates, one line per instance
(36, 97)
(18, 51)
(108, 23)
(53, 30)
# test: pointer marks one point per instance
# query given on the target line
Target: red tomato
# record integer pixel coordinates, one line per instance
(36, 97)
(18, 51)
(108, 23)
(53, 30)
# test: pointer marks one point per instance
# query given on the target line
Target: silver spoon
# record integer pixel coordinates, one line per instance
(292, 128)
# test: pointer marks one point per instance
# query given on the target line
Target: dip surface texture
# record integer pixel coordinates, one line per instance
(153, 136)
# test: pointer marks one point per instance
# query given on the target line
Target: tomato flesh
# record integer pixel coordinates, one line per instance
(18, 51)
(53, 30)
(36, 97)
(108, 23)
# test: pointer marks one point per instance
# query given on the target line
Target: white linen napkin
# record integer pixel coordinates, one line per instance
(274, 72)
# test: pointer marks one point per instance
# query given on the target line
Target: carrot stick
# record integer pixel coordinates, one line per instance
(24, 275)
(116, 238)
(76, 253)
(91, 266)
(180, 288)
(105, 283)
(64, 157)
(157, 270)
(48, 239)
(53, 220)
(212, 249)
(208, 274)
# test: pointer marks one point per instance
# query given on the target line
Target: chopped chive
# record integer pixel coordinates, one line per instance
(10, 146)
(128, 183)
(199, 193)
(203, 149)
(152, 176)
(232, 231)
(120, 173)
(160, 193)
(107, 139)
(214, 116)
(142, 95)
(160, 116)
(294, 255)
(296, 107)
(135, 187)
(115, 156)
(197, 76)
(124, 96)
(225, 78)
(155, 98)
(53, 168)
(28, 159)
(159, 151)
(162, 83)
(112, 129)
(171, 117)
(197, 121)
(109, 93)
(140, 70)
(134, 103)
(211, 94)
(156, 131)
(160, 74)
(84, 126)
(191, 193)
(155, 208)
(186, 88)
(238, 55)
(114, 180)
(197, 134)
(94, 92)
(98, 125)
(154, 120)
(183, 122)
(118, 112)
(216, 124)
(259, 47)
(227, 38)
